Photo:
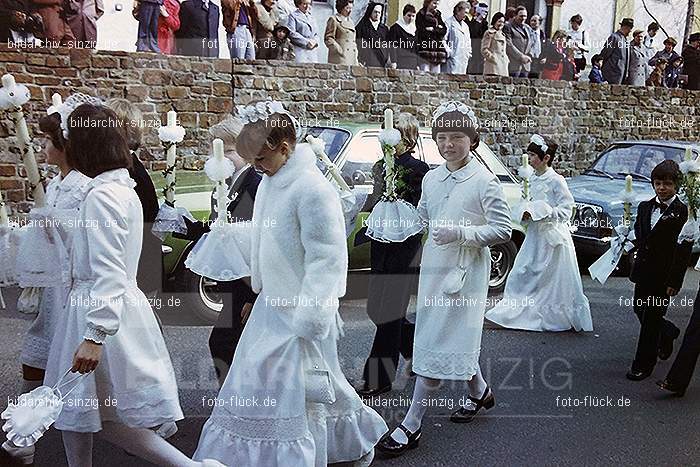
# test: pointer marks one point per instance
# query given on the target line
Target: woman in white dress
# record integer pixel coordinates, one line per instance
(266, 413)
(108, 331)
(531, 300)
(465, 210)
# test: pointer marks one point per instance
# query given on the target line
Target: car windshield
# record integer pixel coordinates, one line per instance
(334, 139)
(637, 160)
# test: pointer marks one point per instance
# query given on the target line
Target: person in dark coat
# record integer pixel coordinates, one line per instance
(56, 28)
(371, 37)
(402, 41)
(199, 29)
(518, 44)
(237, 296)
(659, 266)
(16, 15)
(430, 37)
(149, 276)
(478, 26)
(691, 61)
(393, 269)
(616, 54)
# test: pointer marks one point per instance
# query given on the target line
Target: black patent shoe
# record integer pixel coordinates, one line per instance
(637, 375)
(466, 415)
(388, 447)
(666, 345)
(368, 391)
(666, 385)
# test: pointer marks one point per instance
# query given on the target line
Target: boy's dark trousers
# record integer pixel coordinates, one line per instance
(149, 11)
(650, 306)
(684, 365)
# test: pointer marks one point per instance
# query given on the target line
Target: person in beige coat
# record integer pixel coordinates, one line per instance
(340, 35)
(268, 18)
(493, 47)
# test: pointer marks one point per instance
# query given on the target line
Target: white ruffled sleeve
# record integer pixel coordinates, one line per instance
(107, 250)
(325, 264)
(497, 228)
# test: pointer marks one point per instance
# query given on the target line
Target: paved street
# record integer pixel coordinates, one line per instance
(533, 376)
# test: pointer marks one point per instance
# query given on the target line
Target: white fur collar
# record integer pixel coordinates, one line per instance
(302, 160)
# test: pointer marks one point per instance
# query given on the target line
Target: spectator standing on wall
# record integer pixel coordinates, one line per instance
(554, 55)
(56, 28)
(168, 24)
(17, 22)
(430, 37)
(240, 22)
(478, 26)
(147, 13)
(402, 41)
(672, 77)
(303, 32)
(82, 16)
(371, 37)
(493, 47)
(458, 44)
(537, 39)
(639, 71)
(691, 61)
(667, 53)
(199, 29)
(284, 8)
(267, 20)
(578, 40)
(596, 76)
(518, 44)
(616, 53)
(340, 35)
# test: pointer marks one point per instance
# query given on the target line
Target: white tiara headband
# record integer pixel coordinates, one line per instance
(456, 106)
(539, 141)
(66, 108)
(252, 113)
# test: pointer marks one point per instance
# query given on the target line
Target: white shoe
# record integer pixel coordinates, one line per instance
(211, 463)
(166, 430)
(25, 455)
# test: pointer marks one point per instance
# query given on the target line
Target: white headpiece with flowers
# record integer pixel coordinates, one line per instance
(263, 110)
(66, 108)
(539, 141)
(456, 106)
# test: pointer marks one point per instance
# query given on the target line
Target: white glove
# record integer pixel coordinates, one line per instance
(445, 235)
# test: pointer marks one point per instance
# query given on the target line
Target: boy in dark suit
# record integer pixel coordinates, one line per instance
(659, 268)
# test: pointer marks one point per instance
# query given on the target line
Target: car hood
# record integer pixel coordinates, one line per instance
(605, 193)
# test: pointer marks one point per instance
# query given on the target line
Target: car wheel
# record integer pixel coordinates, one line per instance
(199, 296)
(502, 259)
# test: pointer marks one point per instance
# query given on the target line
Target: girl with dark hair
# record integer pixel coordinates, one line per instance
(402, 41)
(463, 206)
(531, 301)
(108, 332)
(430, 37)
(296, 249)
(371, 37)
(63, 195)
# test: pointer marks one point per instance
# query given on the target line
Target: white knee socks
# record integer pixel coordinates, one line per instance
(419, 404)
(78, 448)
(145, 444)
(477, 385)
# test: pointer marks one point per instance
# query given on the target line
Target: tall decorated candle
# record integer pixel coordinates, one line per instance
(525, 161)
(170, 158)
(4, 220)
(627, 215)
(221, 196)
(388, 119)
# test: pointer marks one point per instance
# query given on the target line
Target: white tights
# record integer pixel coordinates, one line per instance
(140, 442)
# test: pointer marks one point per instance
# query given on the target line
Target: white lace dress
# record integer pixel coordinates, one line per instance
(64, 194)
(134, 382)
(544, 290)
(448, 326)
(298, 261)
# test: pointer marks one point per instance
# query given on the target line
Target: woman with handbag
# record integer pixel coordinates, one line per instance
(285, 400)
(464, 207)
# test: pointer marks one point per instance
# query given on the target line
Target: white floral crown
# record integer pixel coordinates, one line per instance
(456, 106)
(252, 113)
(539, 141)
(66, 108)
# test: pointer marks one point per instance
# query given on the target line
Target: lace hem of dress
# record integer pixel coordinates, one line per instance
(35, 352)
(428, 362)
(260, 429)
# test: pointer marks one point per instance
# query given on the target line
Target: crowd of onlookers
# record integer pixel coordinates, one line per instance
(507, 44)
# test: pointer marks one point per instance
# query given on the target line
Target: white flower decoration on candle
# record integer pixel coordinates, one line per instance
(218, 168)
(390, 136)
(12, 94)
(171, 133)
(691, 166)
(456, 106)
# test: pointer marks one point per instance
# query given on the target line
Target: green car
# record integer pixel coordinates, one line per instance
(354, 148)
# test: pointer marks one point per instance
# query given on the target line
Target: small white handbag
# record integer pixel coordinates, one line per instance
(319, 388)
(454, 281)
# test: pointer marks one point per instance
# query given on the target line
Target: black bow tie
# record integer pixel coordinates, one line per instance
(660, 205)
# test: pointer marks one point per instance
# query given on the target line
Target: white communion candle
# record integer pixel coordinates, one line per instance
(628, 184)
(688, 154)
(56, 99)
(525, 160)
(389, 119)
(4, 219)
(172, 118)
(170, 161)
(221, 196)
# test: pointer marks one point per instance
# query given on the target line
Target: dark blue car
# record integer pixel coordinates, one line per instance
(596, 191)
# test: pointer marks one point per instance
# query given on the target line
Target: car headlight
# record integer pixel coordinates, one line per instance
(587, 215)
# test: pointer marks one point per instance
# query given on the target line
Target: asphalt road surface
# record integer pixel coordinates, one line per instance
(561, 398)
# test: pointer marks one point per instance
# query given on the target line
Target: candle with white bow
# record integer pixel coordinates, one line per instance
(319, 149)
(170, 161)
(221, 196)
(627, 215)
(526, 181)
(14, 96)
(56, 99)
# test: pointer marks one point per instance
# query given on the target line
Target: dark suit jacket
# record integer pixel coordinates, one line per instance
(660, 260)
(197, 24)
(150, 270)
(616, 58)
(517, 47)
(691, 67)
